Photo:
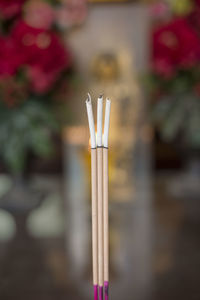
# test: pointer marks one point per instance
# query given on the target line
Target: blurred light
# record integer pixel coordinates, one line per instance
(7, 226)
(47, 221)
(43, 40)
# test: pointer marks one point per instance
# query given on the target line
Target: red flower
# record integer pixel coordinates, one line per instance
(175, 45)
(10, 8)
(10, 57)
(41, 81)
(163, 66)
(43, 54)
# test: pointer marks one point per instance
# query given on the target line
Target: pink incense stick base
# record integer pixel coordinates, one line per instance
(96, 292)
(106, 289)
(101, 293)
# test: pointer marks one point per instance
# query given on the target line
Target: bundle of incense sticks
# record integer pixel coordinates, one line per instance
(99, 183)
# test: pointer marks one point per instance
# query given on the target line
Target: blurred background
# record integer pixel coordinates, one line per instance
(144, 55)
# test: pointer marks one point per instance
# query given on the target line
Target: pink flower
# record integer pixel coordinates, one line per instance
(10, 8)
(159, 10)
(72, 12)
(39, 14)
(175, 45)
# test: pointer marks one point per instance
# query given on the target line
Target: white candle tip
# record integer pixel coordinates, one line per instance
(91, 121)
(108, 100)
(99, 120)
(88, 100)
(89, 97)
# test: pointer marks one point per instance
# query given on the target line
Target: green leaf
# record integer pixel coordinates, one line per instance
(14, 154)
(174, 119)
(40, 142)
(25, 128)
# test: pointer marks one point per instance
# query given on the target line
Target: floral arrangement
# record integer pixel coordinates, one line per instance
(35, 66)
(174, 77)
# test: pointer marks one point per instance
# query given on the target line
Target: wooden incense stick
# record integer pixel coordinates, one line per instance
(105, 222)
(100, 195)
(105, 199)
(100, 219)
(94, 196)
(94, 221)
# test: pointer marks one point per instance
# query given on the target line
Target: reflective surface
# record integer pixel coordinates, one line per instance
(151, 262)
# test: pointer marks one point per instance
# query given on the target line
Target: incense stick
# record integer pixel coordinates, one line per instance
(100, 194)
(100, 218)
(100, 209)
(105, 199)
(94, 221)
(94, 196)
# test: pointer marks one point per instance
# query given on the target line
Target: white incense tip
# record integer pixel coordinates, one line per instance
(91, 121)
(99, 120)
(106, 123)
